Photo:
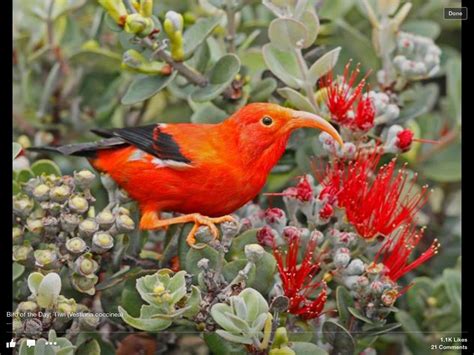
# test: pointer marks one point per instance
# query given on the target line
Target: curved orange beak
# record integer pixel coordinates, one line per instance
(302, 119)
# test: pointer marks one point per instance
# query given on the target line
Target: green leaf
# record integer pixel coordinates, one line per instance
(339, 337)
(453, 86)
(410, 326)
(24, 175)
(149, 325)
(220, 77)
(49, 290)
(311, 21)
(194, 255)
(255, 302)
(94, 57)
(46, 167)
(17, 270)
(356, 313)
(452, 284)
(197, 33)
(283, 64)
(304, 348)
(34, 280)
(232, 268)
(217, 345)
(16, 188)
(262, 90)
(238, 244)
(426, 97)
(89, 347)
(323, 65)
(425, 28)
(219, 313)
(296, 99)
(344, 300)
(208, 113)
(444, 166)
(16, 149)
(144, 87)
(287, 34)
(379, 330)
(234, 338)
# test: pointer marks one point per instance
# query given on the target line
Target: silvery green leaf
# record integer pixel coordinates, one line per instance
(296, 99)
(283, 64)
(49, 290)
(149, 325)
(238, 322)
(220, 77)
(425, 28)
(193, 302)
(218, 313)
(145, 286)
(198, 32)
(323, 65)
(255, 302)
(259, 323)
(262, 90)
(177, 283)
(144, 87)
(339, 337)
(34, 280)
(304, 348)
(238, 307)
(287, 34)
(311, 21)
(234, 338)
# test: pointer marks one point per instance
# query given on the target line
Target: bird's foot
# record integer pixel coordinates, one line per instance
(151, 221)
(209, 222)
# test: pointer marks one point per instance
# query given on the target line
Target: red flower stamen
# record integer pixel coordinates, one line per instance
(297, 280)
(374, 205)
(342, 98)
(396, 250)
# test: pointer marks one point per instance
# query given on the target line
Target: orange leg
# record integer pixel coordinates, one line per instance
(150, 221)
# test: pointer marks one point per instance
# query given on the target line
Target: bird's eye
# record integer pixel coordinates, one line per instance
(267, 121)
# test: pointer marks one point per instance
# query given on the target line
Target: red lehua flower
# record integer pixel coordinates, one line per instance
(405, 138)
(374, 204)
(297, 280)
(342, 97)
(396, 250)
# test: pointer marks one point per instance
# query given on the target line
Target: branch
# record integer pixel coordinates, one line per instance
(231, 26)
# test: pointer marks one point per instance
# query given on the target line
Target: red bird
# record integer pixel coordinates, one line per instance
(204, 171)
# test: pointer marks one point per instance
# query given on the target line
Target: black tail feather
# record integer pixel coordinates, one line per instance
(88, 150)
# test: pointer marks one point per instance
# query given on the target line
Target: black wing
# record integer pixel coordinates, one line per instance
(150, 139)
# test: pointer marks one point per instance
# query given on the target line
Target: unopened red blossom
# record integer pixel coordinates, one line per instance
(346, 102)
(404, 140)
(375, 202)
(297, 279)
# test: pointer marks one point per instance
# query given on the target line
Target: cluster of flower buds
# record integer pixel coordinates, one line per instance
(417, 57)
(385, 111)
(173, 27)
(138, 23)
(60, 209)
(134, 61)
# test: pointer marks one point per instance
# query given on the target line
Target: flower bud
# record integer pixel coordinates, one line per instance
(30, 185)
(66, 305)
(389, 297)
(35, 225)
(88, 227)
(60, 193)
(102, 242)
(105, 219)
(134, 61)
(84, 284)
(69, 222)
(342, 257)
(27, 307)
(319, 236)
(173, 27)
(254, 252)
(355, 267)
(17, 234)
(123, 196)
(22, 205)
(138, 25)
(376, 287)
(86, 265)
(123, 210)
(21, 252)
(76, 245)
(124, 223)
(41, 192)
(116, 9)
(84, 178)
(266, 236)
(173, 22)
(146, 7)
(374, 269)
(290, 232)
(89, 321)
(78, 204)
(276, 218)
(202, 264)
(33, 327)
(45, 257)
(51, 225)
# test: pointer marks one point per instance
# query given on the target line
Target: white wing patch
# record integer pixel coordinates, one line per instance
(140, 155)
